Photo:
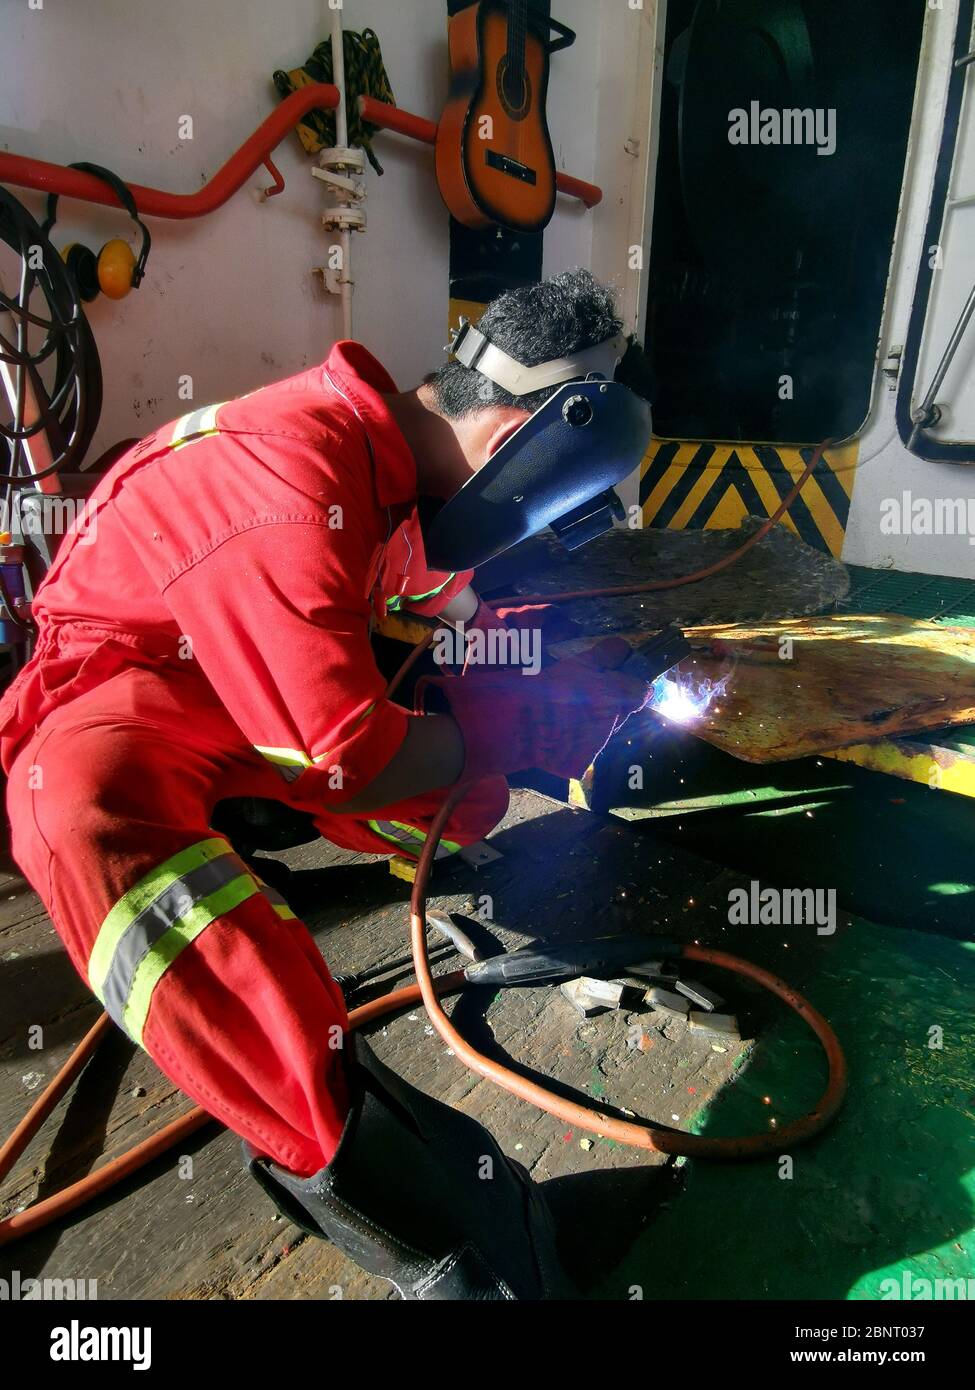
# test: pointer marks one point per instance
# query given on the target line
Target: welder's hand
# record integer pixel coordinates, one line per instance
(557, 720)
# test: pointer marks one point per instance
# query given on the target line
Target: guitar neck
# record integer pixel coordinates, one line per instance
(517, 33)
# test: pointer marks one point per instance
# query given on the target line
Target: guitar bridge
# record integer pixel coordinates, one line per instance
(510, 166)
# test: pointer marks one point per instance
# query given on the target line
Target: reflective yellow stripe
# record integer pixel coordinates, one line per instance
(159, 917)
(396, 602)
(137, 899)
(172, 943)
(276, 900)
(284, 757)
(295, 758)
(399, 833)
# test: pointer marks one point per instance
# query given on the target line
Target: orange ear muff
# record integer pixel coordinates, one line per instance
(83, 267)
(116, 268)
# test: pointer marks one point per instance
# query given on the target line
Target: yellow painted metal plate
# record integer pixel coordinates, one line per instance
(916, 760)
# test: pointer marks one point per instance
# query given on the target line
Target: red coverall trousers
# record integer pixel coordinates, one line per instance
(210, 639)
(110, 804)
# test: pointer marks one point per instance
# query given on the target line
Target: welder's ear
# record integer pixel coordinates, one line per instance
(512, 420)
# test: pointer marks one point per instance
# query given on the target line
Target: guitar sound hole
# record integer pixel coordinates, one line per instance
(516, 95)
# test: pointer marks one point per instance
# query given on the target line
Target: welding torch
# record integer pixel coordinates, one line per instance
(658, 654)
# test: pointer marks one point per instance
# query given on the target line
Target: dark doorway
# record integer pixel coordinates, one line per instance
(769, 260)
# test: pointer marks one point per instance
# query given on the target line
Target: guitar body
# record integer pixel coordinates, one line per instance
(495, 163)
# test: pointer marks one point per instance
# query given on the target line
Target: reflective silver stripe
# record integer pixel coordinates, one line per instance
(189, 424)
(196, 425)
(277, 901)
(155, 920)
(289, 762)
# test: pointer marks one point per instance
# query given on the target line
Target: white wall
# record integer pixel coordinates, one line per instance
(229, 298)
(885, 468)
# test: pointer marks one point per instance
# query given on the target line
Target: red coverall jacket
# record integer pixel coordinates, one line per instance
(204, 633)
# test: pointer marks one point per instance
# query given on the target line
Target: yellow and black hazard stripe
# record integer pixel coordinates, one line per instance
(686, 485)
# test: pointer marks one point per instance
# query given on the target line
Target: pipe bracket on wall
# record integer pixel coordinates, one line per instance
(339, 169)
(336, 169)
(278, 185)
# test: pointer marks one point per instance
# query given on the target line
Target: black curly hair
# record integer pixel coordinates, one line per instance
(553, 318)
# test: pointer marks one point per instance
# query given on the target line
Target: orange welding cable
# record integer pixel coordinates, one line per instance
(429, 990)
(14, 1146)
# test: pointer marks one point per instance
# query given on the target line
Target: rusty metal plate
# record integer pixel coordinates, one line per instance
(810, 685)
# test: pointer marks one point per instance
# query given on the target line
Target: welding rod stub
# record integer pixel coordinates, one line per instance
(446, 925)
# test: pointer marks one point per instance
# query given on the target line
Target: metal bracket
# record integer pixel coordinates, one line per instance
(333, 280)
(348, 191)
(479, 855)
(350, 188)
(928, 414)
(343, 157)
(345, 219)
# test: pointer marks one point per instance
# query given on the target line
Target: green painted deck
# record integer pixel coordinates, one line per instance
(933, 597)
(883, 1205)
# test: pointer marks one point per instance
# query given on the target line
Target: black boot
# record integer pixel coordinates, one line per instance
(421, 1195)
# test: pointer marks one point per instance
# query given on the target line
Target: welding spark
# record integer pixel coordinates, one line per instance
(682, 698)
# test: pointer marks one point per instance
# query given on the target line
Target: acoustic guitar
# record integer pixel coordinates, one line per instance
(495, 164)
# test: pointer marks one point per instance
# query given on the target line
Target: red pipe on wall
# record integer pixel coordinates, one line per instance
(255, 151)
(156, 202)
(418, 128)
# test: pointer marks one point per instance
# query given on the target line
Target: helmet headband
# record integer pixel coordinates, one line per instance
(474, 349)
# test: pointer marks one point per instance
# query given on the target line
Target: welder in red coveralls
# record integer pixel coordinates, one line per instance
(204, 634)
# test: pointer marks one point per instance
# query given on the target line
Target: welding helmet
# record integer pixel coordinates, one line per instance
(558, 469)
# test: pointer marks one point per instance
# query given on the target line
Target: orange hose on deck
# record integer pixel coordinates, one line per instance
(640, 1136)
(429, 989)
